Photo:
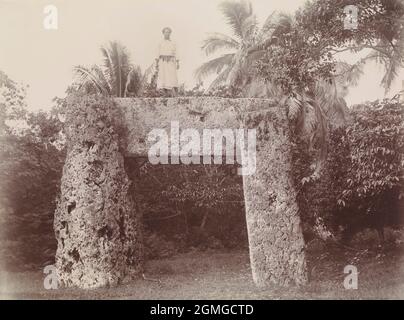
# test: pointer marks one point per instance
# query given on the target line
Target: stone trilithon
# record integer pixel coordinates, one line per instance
(97, 225)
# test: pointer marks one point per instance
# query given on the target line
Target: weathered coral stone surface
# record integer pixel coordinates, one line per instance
(96, 223)
(97, 226)
(274, 229)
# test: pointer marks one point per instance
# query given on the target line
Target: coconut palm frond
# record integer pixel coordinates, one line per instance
(220, 79)
(119, 72)
(275, 25)
(135, 82)
(268, 23)
(330, 93)
(330, 97)
(392, 68)
(249, 28)
(214, 66)
(319, 138)
(217, 41)
(298, 103)
(116, 77)
(326, 92)
(236, 13)
(94, 76)
(283, 23)
(295, 108)
(237, 67)
(349, 74)
(302, 111)
(395, 57)
(121, 67)
(108, 64)
(100, 75)
(239, 15)
(391, 58)
(310, 124)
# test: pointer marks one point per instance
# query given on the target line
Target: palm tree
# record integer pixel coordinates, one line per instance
(315, 110)
(325, 107)
(231, 68)
(116, 77)
(245, 46)
(248, 44)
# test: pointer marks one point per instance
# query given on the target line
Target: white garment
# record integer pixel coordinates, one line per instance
(167, 65)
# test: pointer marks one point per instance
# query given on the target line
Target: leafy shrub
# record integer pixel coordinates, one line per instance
(373, 182)
(361, 183)
(30, 177)
(193, 206)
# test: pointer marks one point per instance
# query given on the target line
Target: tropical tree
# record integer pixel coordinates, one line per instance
(304, 60)
(117, 76)
(304, 64)
(232, 67)
(244, 47)
(12, 102)
(30, 171)
(295, 59)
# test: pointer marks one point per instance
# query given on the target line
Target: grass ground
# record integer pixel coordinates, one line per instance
(227, 275)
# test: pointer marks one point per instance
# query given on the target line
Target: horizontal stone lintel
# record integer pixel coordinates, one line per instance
(142, 115)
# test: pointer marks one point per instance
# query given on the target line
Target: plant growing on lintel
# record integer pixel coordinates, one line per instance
(117, 77)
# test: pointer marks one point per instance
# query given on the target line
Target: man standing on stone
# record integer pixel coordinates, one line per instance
(167, 64)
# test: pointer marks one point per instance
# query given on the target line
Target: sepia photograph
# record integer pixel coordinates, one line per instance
(211, 151)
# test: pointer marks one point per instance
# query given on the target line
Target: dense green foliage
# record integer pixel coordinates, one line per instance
(32, 155)
(307, 48)
(362, 181)
(186, 207)
(373, 181)
(297, 59)
(30, 178)
(12, 101)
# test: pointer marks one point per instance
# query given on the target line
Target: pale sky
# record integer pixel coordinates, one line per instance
(44, 59)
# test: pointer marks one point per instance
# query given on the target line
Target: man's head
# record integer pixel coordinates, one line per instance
(167, 33)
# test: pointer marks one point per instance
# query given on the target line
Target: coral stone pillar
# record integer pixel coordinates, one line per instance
(96, 224)
(274, 229)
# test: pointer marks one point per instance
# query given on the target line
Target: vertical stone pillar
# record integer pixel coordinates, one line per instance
(274, 229)
(96, 226)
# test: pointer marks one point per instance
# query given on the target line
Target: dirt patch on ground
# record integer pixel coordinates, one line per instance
(227, 275)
